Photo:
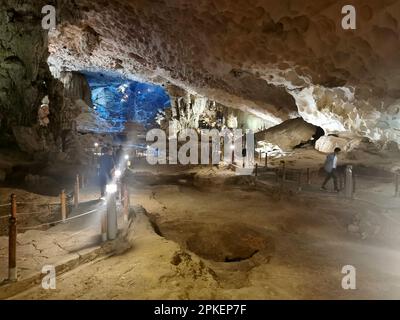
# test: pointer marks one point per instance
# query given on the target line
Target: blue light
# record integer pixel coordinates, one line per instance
(118, 100)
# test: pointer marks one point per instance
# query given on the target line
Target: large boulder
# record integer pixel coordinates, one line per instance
(327, 144)
(287, 135)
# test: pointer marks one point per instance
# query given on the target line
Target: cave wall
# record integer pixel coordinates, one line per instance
(286, 135)
(25, 78)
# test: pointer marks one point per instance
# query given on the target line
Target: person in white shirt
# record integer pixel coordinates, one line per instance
(330, 169)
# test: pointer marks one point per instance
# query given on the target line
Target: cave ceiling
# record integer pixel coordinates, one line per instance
(275, 59)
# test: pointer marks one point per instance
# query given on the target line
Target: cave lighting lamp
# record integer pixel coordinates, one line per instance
(111, 188)
(117, 173)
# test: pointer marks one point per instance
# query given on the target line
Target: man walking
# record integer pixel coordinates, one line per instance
(330, 169)
(118, 155)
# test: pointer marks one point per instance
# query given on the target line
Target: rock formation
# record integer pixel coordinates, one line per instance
(274, 60)
(25, 78)
(288, 134)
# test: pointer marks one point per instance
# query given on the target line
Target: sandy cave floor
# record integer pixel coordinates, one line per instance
(223, 241)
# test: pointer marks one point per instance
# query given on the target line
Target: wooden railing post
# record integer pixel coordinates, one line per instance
(12, 241)
(76, 192)
(396, 184)
(308, 176)
(256, 170)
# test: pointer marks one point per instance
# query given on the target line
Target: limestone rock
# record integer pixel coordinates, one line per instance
(288, 134)
(327, 144)
(24, 74)
(28, 139)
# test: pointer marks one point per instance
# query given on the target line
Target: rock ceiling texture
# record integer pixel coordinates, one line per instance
(276, 59)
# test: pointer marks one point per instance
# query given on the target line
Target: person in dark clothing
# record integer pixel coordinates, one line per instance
(244, 154)
(107, 165)
(330, 169)
(118, 154)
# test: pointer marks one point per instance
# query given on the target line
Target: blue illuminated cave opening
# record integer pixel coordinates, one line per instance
(117, 100)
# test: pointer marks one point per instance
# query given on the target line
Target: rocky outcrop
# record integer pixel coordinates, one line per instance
(185, 110)
(287, 135)
(190, 110)
(28, 139)
(327, 144)
(25, 78)
(77, 99)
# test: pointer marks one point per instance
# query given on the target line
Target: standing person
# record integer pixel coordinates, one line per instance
(118, 154)
(244, 154)
(330, 169)
(107, 165)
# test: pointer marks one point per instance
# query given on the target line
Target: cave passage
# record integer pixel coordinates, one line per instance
(199, 150)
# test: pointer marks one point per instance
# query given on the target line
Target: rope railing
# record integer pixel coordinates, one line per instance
(30, 213)
(57, 222)
(284, 174)
(39, 204)
(108, 219)
(391, 179)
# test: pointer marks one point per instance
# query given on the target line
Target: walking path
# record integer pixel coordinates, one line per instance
(63, 245)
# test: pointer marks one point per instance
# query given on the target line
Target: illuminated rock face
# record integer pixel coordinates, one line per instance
(194, 111)
(276, 59)
(287, 135)
(328, 144)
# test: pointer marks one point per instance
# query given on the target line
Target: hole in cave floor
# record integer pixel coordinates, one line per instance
(228, 243)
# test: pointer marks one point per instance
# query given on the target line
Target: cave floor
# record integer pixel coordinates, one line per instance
(198, 240)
